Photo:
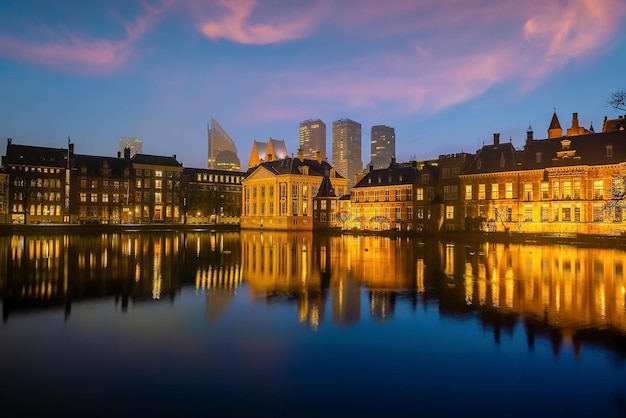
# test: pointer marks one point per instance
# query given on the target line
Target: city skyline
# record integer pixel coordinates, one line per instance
(444, 75)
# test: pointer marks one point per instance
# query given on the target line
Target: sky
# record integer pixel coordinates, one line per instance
(446, 74)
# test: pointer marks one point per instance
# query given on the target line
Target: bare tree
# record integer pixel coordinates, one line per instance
(617, 100)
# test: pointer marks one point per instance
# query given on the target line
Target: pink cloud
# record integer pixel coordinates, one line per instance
(80, 55)
(237, 25)
(432, 68)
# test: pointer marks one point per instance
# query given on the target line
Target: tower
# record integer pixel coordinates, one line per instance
(134, 144)
(222, 149)
(313, 138)
(383, 146)
(346, 149)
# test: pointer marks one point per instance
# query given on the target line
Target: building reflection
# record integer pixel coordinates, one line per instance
(566, 295)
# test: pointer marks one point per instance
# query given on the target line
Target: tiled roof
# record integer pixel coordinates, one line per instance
(392, 176)
(293, 166)
(494, 158)
(35, 156)
(155, 160)
(94, 163)
(326, 188)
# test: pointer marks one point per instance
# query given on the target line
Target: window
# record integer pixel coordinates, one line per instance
(454, 172)
(528, 213)
(294, 208)
(468, 192)
(576, 189)
(609, 151)
(83, 197)
(425, 178)
(138, 184)
(598, 212)
(366, 197)
(528, 191)
(577, 213)
(409, 213)
(430, 193)
(598, 189)
(419, 193)
(294, 194)
(495, 191)
(271, 208)
(567, 189)
(397, 213)
(94, 197)
(158, 197)
(323, 217)
(445, 173)
(376, 196)
(158, 173)
(105, 198)
(386, 195)
(450, 192)
(449, 212)
(420, 212)
(158, 184)
(409, 194)
(481, 192)
(566, 214)
(509, 214)
(398, 194)
(538, 157)
(509, 190)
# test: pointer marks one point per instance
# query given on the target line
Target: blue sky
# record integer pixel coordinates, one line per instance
(446, 74)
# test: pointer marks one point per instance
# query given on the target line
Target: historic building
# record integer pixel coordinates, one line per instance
(104, 189)
(211, 196)
(383, 199)
(278, 193)
(273, 149)
(38, 183)
(571, 183)
(157, 188)
(4, 198)
(450, 189)
(325, 205)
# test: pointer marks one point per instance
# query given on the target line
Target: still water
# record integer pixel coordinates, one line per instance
(294, 324)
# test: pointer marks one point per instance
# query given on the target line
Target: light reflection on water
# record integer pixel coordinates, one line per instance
(380, 324)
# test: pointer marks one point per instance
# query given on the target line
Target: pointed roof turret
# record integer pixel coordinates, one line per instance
(326, 188)
(555, 130)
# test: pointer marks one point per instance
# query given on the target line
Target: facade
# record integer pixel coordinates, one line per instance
(313, 138)
(134, 144)
(450, 189)
(105, 191)
(567, 184)
(4, 198)
(38, 183)
(346, 149)
(325, 205)
(384, 199)
(157, 188)
(222, 149)
(278, 194)
(211, 196)
(383, 146)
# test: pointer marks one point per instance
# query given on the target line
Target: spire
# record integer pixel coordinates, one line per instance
(555, 130)
(591, 128)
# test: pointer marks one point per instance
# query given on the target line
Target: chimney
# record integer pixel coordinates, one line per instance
(575, 120)
(174, 156)
(127, 153)
(529, 134)
(300, 154)
(496, 139)
(119, 154)
(9, 141)
(318, 156)
(371, 167)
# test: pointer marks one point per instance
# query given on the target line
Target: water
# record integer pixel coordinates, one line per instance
(278, 324)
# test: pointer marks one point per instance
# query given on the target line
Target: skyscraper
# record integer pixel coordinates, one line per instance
(346, 153)
(134, 144)
(383, 145)
(222, 149)
(313, 138)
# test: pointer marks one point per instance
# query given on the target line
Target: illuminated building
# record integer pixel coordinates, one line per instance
(346, 149)
(383, 199)
(383, 146)
(105, 191)
(222, 149)
(135, 145)
(562, 184)
(211, 196)
(450, 189)
(313, 138)
(157, 188)
(273, 149)
(278, 194)
(325, 203)
(38, 185)
(4, 198)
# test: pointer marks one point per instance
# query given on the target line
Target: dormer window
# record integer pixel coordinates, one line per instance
(479, 164)
(609, 151)
(566, 144)
(538, 157)
(502, 160)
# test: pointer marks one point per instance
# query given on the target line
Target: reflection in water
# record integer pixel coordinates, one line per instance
(563, 294)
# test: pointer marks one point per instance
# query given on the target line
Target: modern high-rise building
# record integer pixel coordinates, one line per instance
(222, 149)
(346, 149)
(313, 138)
(134, 144)
(383, 145)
